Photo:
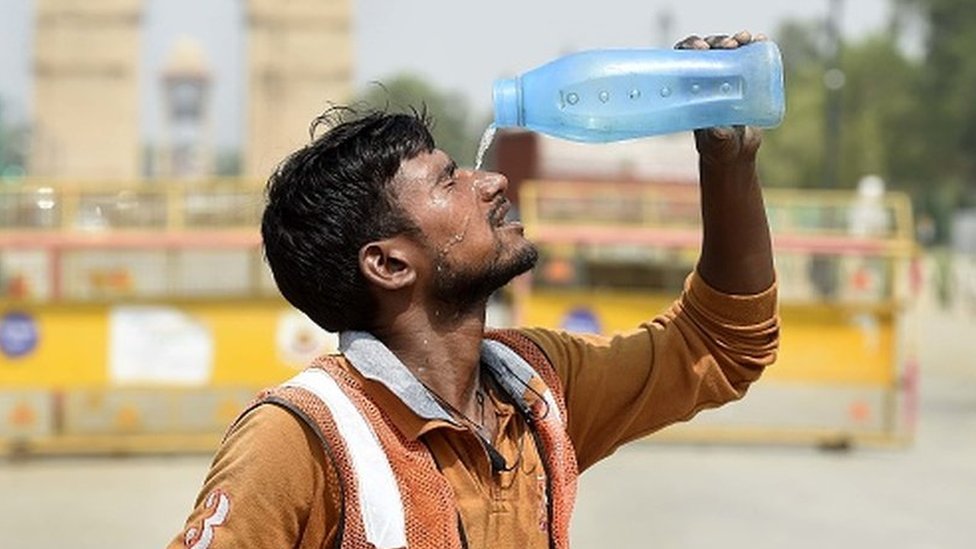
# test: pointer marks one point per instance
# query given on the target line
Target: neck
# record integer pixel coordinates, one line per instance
(443, 350)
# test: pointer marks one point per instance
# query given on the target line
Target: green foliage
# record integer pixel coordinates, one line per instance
(885, 125)
(948, 82)
(792, 155)
(880, 114)
(228, 163)
(452, 128)
(911, 121)
(13, 147)
(4, 138)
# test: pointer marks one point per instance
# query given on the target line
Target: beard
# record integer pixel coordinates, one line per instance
(463, 286)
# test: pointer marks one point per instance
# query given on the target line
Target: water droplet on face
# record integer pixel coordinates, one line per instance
(665, 91)
(726, 87)
(695, 88)
(572, 99)
(635, 94)
(604, 96)
(457, 238)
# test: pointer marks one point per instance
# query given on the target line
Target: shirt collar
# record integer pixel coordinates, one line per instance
(374, 361)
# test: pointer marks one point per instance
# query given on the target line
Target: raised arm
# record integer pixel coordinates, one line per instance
(736, 256)
(712, 343)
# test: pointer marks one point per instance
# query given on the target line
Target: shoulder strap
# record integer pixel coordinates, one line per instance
(380, 502)
(393, 494)
(330, 453)
(371, 506)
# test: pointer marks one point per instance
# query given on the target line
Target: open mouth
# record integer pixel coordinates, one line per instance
(502, 214)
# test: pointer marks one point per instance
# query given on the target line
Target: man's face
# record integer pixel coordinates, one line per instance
(473, 249)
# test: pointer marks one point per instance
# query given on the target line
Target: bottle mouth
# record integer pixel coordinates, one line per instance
(508, 103)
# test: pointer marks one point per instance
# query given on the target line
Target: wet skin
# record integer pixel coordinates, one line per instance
(472, 248)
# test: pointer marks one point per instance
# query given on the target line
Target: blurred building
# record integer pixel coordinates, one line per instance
(300, 60)
(86, 105)
(87, 120)
(187, 150)
(662, 160)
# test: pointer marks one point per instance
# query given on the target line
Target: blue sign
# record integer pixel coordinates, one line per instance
(581, 319)
(18, 334)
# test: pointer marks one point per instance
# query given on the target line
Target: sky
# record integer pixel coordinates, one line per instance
(457, 45)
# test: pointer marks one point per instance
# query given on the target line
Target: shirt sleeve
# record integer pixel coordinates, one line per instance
(702, 352)
(267, 483)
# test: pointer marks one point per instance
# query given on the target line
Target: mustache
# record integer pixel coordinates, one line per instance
(497, 212)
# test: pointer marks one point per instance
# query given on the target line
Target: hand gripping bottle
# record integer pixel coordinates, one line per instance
(609, 95)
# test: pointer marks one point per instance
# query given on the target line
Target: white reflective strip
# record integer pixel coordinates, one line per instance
(379, 498)
(553, 407)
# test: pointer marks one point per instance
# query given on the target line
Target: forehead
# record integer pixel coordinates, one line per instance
(425, 167)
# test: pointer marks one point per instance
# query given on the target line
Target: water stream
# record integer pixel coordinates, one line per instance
(486, 139)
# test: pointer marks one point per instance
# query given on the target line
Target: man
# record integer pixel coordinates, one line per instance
(426, 431)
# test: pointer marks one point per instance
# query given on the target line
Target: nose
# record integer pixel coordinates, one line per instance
(491, 184)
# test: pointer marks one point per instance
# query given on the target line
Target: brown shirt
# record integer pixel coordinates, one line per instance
(704, 351)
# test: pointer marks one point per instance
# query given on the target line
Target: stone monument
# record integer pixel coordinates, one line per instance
(86, 98)
(300, 59)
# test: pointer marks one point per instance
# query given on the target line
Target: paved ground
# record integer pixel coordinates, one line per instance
(765, 498)
(648, 495)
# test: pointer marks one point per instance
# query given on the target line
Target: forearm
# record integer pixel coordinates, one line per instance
(704, 351)
(736, 255)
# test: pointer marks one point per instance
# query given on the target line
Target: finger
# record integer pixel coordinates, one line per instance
(693, 42)
(725, 42)
(743, 37)
(717, 143)
(760, 38)
(716, 40)
(722, 133)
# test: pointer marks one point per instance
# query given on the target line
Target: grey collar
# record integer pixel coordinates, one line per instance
(371, 358)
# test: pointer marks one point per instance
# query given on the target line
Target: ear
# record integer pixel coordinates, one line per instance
(387, 263)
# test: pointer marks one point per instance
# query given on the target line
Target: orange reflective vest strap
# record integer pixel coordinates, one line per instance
(392, 492)
(549, 425)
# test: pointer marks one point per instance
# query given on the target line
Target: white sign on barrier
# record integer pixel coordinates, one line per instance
(153, 344)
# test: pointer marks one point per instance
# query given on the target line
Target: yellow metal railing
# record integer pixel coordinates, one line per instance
(155, 240)
(83, 268)
(615, 254)
(823, 213)
(172, 205)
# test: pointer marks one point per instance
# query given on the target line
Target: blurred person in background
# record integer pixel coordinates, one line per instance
(427, 430)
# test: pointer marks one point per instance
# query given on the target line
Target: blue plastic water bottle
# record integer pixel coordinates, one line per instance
(609, 95)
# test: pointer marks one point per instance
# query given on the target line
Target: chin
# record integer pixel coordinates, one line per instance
(522, 258)
(454, 285)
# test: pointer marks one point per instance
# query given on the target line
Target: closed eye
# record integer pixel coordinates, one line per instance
(448, 176)
(449, 171)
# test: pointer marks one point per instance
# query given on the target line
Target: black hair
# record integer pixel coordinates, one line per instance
(331, 197)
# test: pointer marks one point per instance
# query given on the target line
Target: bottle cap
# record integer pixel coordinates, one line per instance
(507, 103)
